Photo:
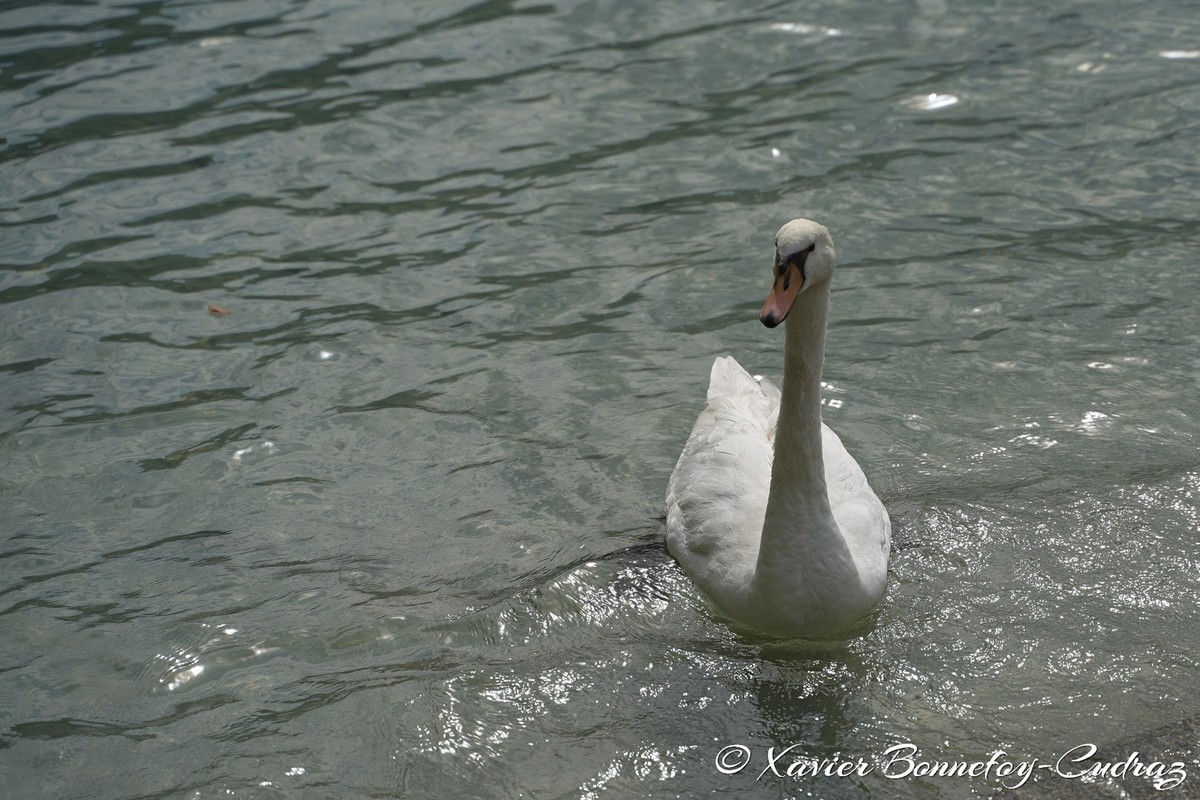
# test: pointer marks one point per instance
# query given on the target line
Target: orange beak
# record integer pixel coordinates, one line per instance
(783, 294)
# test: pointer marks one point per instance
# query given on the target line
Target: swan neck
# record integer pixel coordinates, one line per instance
(798, 435)
(798, 517)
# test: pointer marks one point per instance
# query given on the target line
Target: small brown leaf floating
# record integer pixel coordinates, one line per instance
(217, 311)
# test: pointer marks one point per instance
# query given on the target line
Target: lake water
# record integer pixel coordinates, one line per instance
(346, 349)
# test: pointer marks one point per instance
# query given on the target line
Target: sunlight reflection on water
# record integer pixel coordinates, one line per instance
(346, 349)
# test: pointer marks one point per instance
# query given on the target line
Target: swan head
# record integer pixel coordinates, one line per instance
(804, 258)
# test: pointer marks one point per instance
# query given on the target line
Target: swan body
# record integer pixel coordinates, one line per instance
(767, 512)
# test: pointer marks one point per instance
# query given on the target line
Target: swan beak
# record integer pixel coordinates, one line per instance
(783, 294)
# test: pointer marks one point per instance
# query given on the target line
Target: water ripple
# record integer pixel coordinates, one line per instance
(345, 350)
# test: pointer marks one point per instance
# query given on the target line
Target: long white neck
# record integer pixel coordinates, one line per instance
(801, 544)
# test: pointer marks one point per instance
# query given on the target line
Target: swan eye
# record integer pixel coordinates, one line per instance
(800, 259)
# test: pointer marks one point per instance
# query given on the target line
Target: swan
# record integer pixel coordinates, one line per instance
(767, 512)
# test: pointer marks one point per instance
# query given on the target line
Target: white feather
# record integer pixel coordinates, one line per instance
(807, 553)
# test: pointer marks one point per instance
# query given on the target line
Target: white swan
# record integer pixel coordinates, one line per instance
(796, 543)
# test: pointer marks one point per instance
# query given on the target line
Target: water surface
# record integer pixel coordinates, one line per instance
(346, 348)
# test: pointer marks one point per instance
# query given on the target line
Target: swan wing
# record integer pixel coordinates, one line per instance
(717, 495)
(858, 511)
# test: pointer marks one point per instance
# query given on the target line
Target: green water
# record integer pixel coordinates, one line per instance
(389, 527)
